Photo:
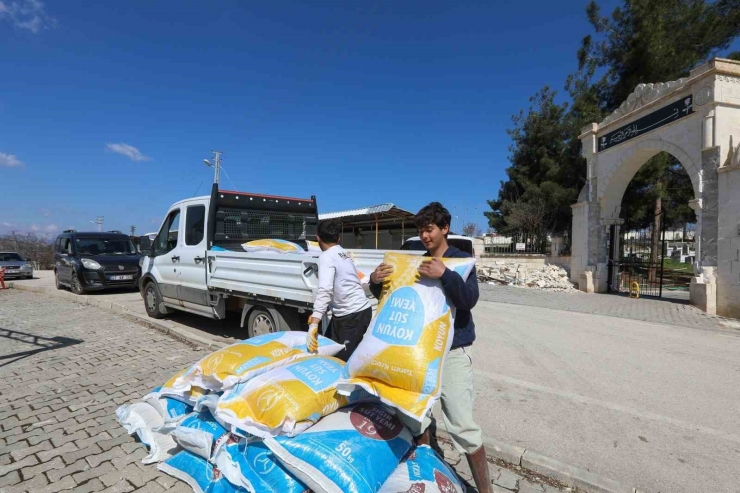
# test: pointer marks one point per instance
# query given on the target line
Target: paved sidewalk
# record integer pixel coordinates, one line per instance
(66, 367)
(662, 311)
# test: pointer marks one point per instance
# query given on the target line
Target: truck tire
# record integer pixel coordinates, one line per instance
(56, 280)
(260, 322)
(153, 301)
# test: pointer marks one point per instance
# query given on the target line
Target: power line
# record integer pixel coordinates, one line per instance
(196, 190)
(227, 177)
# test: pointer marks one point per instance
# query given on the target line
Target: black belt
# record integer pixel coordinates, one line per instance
(461, 346)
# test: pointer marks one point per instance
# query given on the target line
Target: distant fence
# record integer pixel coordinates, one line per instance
(518, 244)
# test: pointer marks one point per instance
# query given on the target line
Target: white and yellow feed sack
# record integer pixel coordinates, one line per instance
(401, 357)
(271, 245)
(244, 360)
(285, 400)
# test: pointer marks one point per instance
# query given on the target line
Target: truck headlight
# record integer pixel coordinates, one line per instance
(26, 267)
(90, 264)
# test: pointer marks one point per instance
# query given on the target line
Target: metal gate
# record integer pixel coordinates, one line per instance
(637, 256)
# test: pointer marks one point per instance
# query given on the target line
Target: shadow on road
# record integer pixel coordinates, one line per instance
(42, 343)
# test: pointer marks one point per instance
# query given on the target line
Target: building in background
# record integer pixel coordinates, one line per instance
(383, 226)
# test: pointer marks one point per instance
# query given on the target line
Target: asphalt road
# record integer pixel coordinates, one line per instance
(653, 406)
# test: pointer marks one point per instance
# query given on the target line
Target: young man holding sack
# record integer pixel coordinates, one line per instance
(433, 222)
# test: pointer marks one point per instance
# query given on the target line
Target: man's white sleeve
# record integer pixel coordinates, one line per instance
(327, 271)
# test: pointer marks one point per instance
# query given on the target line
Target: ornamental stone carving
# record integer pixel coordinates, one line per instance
(703, 95)
(642, 95)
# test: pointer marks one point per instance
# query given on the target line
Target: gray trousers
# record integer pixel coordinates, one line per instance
(458, 392)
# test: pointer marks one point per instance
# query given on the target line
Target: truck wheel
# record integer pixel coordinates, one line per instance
(56, 280)
(153, 301)
(260, 322)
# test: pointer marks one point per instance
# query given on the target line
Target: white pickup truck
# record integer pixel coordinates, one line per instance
(196, 262)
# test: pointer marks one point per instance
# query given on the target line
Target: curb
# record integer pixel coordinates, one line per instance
(565, 473)
(165, 327)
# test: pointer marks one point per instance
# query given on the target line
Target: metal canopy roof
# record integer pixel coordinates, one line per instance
(370, 214)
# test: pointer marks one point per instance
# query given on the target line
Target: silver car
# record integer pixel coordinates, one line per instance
(15, 265)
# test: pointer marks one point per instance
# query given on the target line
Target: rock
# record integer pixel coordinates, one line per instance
(548, 278)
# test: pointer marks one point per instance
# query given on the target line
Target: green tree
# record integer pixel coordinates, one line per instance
(653, 41)
(536, 197)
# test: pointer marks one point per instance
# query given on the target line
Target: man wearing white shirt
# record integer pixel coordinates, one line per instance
(341, 290)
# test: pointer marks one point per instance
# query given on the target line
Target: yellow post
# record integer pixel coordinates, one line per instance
(634, 289)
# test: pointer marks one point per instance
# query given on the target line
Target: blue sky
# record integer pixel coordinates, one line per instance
(108, 108)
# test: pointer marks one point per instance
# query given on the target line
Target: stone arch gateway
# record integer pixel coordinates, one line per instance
(697, 121)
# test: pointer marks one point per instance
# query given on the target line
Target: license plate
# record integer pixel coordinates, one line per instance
(120, 278)
(12, 271)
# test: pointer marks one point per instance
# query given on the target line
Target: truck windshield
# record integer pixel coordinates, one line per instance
(104, 246)
(10, 257)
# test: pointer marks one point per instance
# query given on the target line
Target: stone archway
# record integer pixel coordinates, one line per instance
(693, 119)
(630, 162)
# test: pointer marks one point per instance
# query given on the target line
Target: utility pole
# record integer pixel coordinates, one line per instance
(133, 230)
(99, 221)
(216, 165)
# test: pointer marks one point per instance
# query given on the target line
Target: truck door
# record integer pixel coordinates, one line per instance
(192, 265)
(166, 258)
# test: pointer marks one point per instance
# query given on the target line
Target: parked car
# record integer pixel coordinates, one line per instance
(95, 261)
(463, 243)
(15, 265)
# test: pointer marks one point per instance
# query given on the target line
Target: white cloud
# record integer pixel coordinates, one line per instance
(26, 14)
(51, 228)
(130, 152)
(35, 228)
(8, 225)
(10, 161)
(46, 212)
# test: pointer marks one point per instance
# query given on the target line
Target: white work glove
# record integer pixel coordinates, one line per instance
(312, 338)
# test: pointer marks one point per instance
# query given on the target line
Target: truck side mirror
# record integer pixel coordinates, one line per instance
(145, 245)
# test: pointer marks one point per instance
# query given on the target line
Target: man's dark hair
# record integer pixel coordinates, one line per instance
(329, 231)
(433, 213)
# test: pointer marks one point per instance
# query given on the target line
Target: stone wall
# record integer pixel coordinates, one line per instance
(563, 261)
(727, 134)
(728, 244)
(530, 261)
(579, 248)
